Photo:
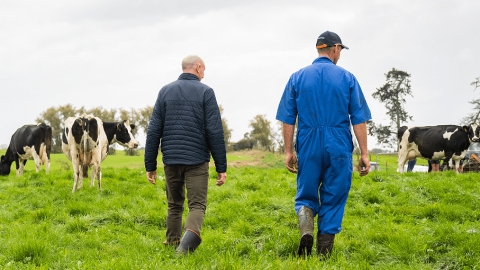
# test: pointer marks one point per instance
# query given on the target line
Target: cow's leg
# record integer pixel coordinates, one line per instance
(37, 159)
(96, 173)
(21, 166)
(47, 166)
(99, 175)
(81, 174)
(17, 165)
(402, 159)
(75, 158)
(97, 170)
(75, 177)
(92, 177)
(456, 165)
(45, 160)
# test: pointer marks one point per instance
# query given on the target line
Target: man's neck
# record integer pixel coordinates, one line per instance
(325, 55)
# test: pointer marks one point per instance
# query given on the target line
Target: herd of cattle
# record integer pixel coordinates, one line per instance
(447, 142)
(85, 142)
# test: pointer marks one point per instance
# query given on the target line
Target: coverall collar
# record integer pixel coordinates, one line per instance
(322, 59)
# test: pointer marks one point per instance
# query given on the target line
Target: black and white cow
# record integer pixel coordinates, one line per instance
(28, 142)
(435, 142)
(85, 142)
(121, 133)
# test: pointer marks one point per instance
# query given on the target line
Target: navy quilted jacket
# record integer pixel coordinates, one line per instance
(187, 121)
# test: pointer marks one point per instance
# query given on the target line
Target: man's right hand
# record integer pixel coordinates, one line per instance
(363, 165)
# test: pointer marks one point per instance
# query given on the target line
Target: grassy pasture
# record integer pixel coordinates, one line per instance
(392, 221)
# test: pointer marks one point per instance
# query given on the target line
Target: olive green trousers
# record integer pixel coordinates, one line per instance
(192, 179)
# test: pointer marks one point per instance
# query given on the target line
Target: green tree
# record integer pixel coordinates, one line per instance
(473, 117)
(143, 118)
(278, 137)
(227, 133)
(66, 111)
(104, 114)
(392, 94)
(476, 83)
(262, 132)
(131, 116)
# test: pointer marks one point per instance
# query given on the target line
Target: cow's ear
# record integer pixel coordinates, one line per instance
(132, 126)
(119, 127)
(465, 128)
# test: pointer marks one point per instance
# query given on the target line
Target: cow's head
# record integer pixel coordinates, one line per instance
(473, 131)
(124, 136)
(4, 166)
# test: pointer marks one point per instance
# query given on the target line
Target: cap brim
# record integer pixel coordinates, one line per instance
(343, 46)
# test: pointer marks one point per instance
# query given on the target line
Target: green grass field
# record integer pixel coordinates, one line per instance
(392, 221)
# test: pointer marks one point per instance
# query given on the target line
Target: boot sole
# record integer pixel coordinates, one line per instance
(306, 244)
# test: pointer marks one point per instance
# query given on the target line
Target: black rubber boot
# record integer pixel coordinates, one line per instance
(190, 241)
(325, 244)
(305, 221)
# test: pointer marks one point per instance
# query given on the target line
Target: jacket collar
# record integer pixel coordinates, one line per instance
(188, 76)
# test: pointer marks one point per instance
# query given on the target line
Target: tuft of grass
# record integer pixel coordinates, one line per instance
(29, 252)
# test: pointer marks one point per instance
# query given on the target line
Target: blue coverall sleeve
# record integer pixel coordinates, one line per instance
(358, 108)
(287, 109)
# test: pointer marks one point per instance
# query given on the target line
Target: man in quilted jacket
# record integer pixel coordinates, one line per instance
(187, 126)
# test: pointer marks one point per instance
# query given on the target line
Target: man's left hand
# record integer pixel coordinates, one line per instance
(222, 177)
(152, 176)
(363, 165)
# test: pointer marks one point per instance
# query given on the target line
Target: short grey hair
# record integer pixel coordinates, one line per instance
(190, 61)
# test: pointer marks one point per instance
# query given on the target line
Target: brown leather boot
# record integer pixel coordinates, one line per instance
(305, 221)
(325, 244)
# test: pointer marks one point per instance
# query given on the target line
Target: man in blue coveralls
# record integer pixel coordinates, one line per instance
(327, 100)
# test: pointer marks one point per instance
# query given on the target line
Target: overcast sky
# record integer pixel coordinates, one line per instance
(118, 54)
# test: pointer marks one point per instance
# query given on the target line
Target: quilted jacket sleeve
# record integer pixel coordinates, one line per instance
(214, 131)
(154, 134)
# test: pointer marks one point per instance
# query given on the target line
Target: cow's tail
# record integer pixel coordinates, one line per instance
(88, 143)
(85, 170)
(86, 147)
(48, 140)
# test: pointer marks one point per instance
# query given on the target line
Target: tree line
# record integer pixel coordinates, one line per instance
(261, 136)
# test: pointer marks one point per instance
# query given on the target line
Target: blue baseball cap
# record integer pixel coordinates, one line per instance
(329, 39)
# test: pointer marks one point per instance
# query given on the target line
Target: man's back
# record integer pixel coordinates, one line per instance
(183, 115)
(188, 122)
(322, 94)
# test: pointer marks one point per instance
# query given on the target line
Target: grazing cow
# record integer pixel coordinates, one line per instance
(435, 142)
(28, 142)
(85, 142)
